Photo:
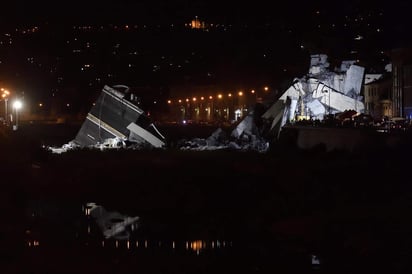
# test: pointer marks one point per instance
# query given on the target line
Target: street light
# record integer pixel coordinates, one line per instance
(5, 95)
(17, 106)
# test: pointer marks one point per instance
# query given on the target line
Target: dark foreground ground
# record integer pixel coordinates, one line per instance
(273, 211)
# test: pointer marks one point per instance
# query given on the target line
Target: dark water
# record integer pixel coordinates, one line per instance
(211, 212)
(48, 225)
(61, 238)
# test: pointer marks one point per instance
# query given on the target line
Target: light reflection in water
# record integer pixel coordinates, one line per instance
(33, 243)
(196, 246)
(91, 233)
(111, 223)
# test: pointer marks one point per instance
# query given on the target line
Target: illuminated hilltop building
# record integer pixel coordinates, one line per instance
(196, 23)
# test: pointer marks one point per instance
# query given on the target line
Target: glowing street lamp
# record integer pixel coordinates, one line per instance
(17, 105)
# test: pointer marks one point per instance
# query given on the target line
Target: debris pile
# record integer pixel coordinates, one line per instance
(245, 137)
(318, 94)
(321, 92)
(115, 121)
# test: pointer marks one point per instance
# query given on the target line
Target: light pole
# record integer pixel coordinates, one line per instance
(5, 107)
(17, 106)
(5, 96)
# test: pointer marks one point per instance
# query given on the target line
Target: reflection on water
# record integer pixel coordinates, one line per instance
(63, 233)
(112, 223)
(196, 246)
(100, 228)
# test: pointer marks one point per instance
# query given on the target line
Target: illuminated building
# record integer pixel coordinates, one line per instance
(402, 82)
(377, 92)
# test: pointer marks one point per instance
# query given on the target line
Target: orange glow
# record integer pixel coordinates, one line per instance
(240, 93)
(194, 99)
(169, 101)
(197, 245)
(40, 105)
(5, 92)
(252, 91)
(230, 95)
(202, 98)
(180, 101)
(210, 97)
(219, 96)
(187, 99)
(266, 88)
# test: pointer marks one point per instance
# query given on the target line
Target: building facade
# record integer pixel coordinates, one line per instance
(401, 82)
(377, 94)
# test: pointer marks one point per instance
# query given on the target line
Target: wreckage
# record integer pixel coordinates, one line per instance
(116, 121)
(111, 223)
(321, 92)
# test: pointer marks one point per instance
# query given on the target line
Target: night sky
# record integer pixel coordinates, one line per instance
(295, 13)
(291, 13)
(266, 41)
(76, 10)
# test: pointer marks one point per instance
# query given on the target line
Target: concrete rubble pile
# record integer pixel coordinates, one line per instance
(115, 121)
(319, 93)
(244, 137)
